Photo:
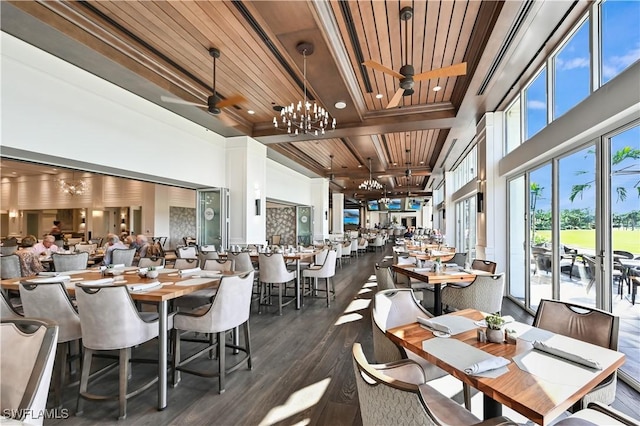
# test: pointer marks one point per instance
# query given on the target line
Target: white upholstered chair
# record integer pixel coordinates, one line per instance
(187, 252)
(27, 353)
(182, 263)
(273, 271)
(327, 271)
(598, 414)
(229, 310)
(146, 262)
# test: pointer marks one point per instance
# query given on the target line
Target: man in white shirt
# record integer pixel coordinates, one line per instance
(46, 247)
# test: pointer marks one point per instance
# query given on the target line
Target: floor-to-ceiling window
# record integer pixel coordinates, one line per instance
(540, 236)
(466, 226)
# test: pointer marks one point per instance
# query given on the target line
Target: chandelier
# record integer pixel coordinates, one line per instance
(371, 184)
(385, 199)
(304, 118)
(72, 186)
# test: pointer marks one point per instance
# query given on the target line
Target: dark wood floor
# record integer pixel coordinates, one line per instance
(302, 371)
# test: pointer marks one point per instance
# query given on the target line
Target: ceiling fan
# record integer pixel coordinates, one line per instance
(408, 172)
(407, 74)
(214, 103)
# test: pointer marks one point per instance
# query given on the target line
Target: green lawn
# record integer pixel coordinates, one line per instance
(585, 239)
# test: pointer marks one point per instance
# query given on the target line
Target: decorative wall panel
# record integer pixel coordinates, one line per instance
(282, 221)
(182, 223)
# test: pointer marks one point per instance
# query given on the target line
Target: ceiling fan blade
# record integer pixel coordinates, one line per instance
(453, 70)
(171, 100)
(382, 68)
(232, 100)
(396, 98)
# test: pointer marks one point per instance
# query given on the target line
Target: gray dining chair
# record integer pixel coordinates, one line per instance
(50, 300)
(70, 262)
(27, 353)
(125, 329)
(229, 310)
(182, 263)
(146, 262)
(598, 414)
(10, 266)
(123, 256)
(6, 308)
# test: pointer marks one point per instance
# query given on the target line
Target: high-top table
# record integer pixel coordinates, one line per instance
(436, 279)
(171, 289)
(539, 397)
(297, 256)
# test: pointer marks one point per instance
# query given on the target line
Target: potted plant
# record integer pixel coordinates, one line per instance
(495, 322)
(152, 272)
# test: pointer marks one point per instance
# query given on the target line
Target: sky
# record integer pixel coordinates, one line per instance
(620, 48)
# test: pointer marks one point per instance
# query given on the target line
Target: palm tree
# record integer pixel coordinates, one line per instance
(535, 191)
(622, 154)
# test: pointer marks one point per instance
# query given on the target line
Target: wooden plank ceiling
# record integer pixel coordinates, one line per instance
(167, 44)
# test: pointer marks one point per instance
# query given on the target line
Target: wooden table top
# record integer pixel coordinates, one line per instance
(290, 256)
(537, 398)
(432, 277)
(169, 290)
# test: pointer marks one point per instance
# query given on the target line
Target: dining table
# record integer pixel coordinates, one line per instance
(534, 383)
(296, 256)
(436, 279)
(172, 286)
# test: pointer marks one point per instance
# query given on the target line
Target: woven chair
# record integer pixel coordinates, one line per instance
(484, 265)
(395, 394)
(484, 294)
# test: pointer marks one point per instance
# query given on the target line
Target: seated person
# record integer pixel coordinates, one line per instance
(113, 242)
(29, 260)
(46, 247)
(141, 244)
(409, 233)
(129, 242)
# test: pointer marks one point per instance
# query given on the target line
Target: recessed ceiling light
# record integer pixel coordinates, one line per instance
(251, 112)
(341, 105)
(437, 89)
(395, 164)
(422, 162)
(379, 96)
(359, 166)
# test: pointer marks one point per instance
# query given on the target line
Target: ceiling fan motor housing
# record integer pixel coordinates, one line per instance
(212, 108)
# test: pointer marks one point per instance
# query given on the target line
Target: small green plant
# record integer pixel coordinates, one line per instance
(494, 321)
(151, 268)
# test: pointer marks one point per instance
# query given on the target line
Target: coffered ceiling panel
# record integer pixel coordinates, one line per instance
(162, 48)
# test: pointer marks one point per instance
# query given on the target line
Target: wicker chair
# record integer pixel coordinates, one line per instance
(484, 294)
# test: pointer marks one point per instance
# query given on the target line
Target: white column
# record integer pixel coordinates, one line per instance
(320, 202)
(337, 223)
(246, 179)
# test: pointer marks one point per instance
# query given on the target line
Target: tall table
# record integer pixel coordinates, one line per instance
(159, 295)
(540, 398)
(295, 256)
(436, 279)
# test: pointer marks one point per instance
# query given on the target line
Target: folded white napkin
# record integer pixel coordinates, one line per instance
(486, 365)
(421, 269)
(48, 274)
(103, 281)
(144, 286)
(434, 325)
(187, 272)
(541, 346)
(53, 279)
(210, 274)
(143, 270)
(118, 265)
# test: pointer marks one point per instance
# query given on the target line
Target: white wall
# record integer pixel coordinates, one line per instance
(53, 108)
(284, 184)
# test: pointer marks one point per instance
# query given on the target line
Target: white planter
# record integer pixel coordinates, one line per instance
(495, 336)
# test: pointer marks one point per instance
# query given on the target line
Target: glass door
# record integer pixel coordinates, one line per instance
(540, 236)
(466, 226)
(213, 217)
(623, 150)
(304, 215)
